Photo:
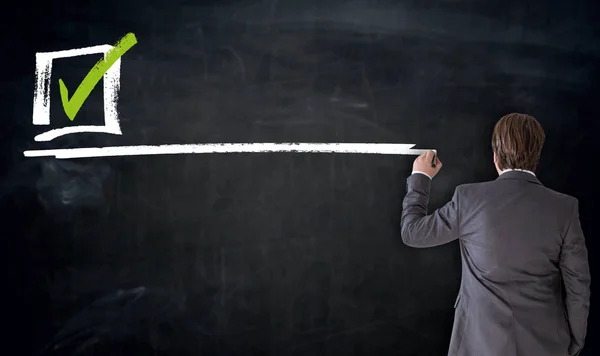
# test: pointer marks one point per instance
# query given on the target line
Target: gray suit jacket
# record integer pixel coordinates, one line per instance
(525, 287)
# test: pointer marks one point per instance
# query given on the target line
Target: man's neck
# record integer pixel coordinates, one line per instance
(516, 169)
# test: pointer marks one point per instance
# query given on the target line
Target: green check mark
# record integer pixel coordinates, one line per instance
(93, 77)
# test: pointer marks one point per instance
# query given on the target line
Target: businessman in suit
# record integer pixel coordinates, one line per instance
(525, 288)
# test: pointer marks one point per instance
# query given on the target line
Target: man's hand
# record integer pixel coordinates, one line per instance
(423, 164)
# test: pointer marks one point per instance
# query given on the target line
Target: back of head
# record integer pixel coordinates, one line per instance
(517, 142)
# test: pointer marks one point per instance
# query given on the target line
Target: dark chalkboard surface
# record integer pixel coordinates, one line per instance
(276, 253)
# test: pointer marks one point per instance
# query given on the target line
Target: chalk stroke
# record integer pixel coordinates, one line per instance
(361, 148)
(73, 105)
(41, 94)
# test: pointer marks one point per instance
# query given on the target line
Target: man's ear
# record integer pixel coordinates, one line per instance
(495, 158)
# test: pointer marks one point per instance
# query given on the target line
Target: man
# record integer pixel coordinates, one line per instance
(520, 243)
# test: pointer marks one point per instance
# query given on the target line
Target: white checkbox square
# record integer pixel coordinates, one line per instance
(41, 95)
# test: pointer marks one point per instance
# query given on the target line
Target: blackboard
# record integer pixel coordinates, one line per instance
(271, 253)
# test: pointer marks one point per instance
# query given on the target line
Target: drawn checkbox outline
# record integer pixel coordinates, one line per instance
(111, 82)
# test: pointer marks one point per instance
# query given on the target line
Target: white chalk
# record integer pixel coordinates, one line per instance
(420, 152)
(356, 148)
(41, 94)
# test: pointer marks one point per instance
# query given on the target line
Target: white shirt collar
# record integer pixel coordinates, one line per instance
(519, 170)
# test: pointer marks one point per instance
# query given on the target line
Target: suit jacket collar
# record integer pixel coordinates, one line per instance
(520, 175)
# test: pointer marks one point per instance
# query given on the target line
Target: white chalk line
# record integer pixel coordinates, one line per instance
(356, 148)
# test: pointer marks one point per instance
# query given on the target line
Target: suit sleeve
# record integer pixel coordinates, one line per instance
(422, 230)
(576, 277)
